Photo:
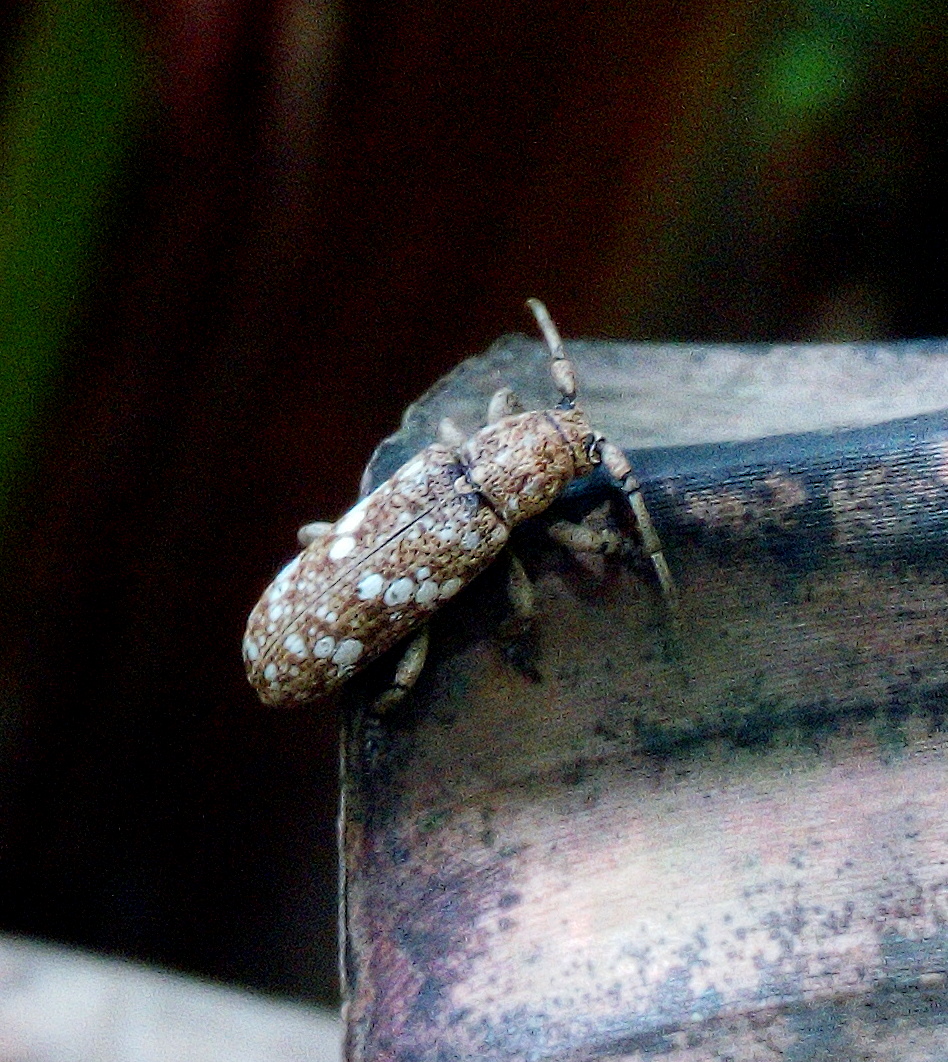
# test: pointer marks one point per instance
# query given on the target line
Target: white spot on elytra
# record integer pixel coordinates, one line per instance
(427, 592)
(321, 612)
(324, 647)
(422, 574)
(295, 644)
(370, 586)
(342, 547)
(448, 533)
(399, 592)
(275, 612)
(450, 587)
(347, 653)
(470, 540)
(331, 617)
(352, 519)
(270, 672)
(251, 649)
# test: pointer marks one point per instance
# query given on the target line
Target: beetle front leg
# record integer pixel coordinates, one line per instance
(504, 402)
(407, 673)
(617, 465)
(450, 434)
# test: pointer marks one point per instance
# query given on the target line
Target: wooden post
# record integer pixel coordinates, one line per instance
(721, 837)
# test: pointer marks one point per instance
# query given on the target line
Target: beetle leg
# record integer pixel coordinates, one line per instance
(617, 465)
(309, 533)
(561, 368)
(503, 403)
(449, 433)
(579, 538)
(407, 673)
(520, 590)
(516, 632)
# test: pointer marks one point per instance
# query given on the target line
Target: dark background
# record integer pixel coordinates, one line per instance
(238, 239)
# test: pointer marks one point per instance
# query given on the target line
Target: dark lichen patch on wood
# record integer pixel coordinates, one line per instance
(721, 836)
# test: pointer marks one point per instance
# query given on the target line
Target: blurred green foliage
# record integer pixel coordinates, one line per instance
(823, 53)
(68, 122)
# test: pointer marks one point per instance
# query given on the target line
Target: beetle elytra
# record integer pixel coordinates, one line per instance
(365, 582)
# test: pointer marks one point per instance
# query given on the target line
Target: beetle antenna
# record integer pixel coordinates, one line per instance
(561, 368)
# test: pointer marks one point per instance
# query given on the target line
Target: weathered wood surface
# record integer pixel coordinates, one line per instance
(721, 838)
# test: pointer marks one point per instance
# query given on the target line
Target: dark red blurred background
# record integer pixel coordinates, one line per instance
(315, 209)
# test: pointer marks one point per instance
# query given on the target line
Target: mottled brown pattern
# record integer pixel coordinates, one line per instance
(515, 486)
(393, 559)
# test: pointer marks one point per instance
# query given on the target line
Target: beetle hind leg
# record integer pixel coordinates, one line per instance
(407, 672)
(516, 633)
(310, 533)
(520, 591)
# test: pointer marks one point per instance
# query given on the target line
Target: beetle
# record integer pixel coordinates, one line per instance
(365, 582)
